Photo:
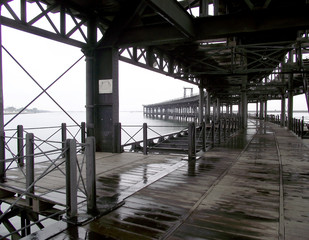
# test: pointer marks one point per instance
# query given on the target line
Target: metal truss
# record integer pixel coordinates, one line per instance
(155, 60)
(55, 20)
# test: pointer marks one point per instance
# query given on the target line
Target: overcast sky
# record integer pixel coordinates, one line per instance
(46, 60)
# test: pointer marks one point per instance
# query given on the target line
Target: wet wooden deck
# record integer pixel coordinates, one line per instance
(254, 186)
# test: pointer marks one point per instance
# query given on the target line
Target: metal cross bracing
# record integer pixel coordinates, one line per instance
(158, 61)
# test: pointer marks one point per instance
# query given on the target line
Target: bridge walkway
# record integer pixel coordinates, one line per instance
(254, 186)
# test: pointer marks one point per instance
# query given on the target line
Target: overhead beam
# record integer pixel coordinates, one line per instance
(40, 32)
(221, 26)
(175, 15)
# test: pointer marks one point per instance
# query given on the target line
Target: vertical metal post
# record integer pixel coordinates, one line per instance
(219, 131)
(207, 108)
(265, 110)
(2, 134)
(204, 136)
(145, 138)
(20, 145)
(191, 141)
(213, 133)
(302, 127)
(201, 106)
(90, 81)
(83, 135)
(91, 176)
(1, 84)
(290, 95)
(71, 179)
(63, 135)
(29, 166)
(2, 156)
(282, 110)
(117, 138)
(261, 109)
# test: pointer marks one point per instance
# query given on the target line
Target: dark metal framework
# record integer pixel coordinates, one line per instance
(238, 52)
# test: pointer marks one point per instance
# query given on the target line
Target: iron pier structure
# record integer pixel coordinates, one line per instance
(236, 52)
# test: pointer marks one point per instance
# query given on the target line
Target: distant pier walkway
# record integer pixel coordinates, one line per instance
(253, 186)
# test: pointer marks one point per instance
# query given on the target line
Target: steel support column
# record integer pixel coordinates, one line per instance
(201, 106)
(90, 79)
(290, 95)
(261, 109)
(244, 109)
(265, 109)
(218, 109)
(107, 98)
(282, 110)
(1, 81)
(207, 107)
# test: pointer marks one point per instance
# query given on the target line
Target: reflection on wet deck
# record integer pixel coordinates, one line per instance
(254, 186)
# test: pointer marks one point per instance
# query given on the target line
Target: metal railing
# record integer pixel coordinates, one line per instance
(299, 126)
(30, 182)
(203, 136)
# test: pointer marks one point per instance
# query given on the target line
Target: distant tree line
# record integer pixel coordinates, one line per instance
(15, 110)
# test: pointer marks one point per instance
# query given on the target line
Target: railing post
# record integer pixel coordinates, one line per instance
(204, 136)
(2, 156)
(145, 138)
(117, 138)
(63, 135)
(191, 141)
(20, 145)
(29, 166)
(83, 134)
(91, 176)
(71, 179)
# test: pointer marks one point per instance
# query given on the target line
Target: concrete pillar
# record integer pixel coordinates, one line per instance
(201, 106)
(290, 95)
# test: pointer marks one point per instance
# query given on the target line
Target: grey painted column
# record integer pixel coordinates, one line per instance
(244, 109)
(90, 79)
(282, 110)
(290, 109)
(207, 107)
(261, 109)
(290, 96)
(257, 110)
(201, 106)
(265, 109)
(1, 82)
(107, 97)
(218, 109)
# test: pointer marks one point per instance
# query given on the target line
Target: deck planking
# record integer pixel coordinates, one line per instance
(253, 186)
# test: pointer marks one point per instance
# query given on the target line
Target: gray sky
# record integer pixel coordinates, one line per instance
(46, 60)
